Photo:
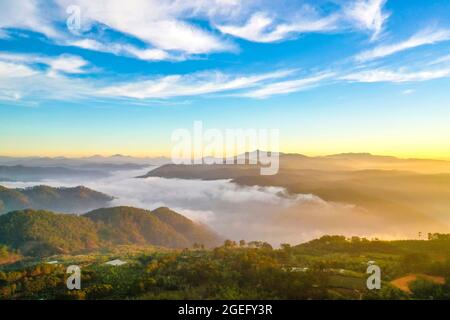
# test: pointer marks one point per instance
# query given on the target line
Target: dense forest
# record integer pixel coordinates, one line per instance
(42, 233)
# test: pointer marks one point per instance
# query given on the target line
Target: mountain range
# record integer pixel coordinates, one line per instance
(69, 200)
(117, 159)
(411, 192)
(26, 169)
(27, 173)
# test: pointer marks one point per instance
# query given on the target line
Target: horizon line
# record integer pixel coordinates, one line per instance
(168, 157)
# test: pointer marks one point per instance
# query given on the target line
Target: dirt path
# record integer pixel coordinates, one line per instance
(403, 282)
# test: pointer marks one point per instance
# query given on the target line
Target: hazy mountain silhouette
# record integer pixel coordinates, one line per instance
(70, 200)
(397, 190)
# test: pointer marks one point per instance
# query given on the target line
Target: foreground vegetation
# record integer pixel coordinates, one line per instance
(331, 267)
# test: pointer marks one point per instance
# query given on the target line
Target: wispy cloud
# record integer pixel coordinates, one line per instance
(159, 24)
(267, 27)
(10, 73)
(289, 86)
(33, 79)
(14, 70)
(28, 15)
(63, 63)
(169, 30)
(425, 37)
(22, 77)
(262, 28)
(386, 75)
(124, 49)
(67, 64)
(368, 14)
(162, 25)
(441, 60)
(189, 85)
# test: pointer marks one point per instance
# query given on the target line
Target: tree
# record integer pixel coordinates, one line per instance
(229, 244)
(198, 245)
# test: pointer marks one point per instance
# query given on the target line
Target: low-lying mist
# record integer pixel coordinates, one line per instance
(241, 212)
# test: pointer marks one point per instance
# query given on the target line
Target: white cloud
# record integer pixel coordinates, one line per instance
(159, 24)
(189, 85)
(288, 86)
(43, 82)
(264, 27)
(167, 28)
(27, 15)
(22, 77)
(123, 49)
(148, 54)
(367, 14)
(424, 37)
(67, 64)
(253, 30)
(385, 75)
(91, 44)
(41, 86)
(14, 70)
(441, 60)
(261, 28)
(6, 95)
(63, 63)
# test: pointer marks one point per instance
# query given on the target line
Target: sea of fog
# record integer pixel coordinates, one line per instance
(235, 212)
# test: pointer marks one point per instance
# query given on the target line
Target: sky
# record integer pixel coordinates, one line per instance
(80, 77)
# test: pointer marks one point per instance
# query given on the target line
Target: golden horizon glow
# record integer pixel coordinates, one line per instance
(430, 155)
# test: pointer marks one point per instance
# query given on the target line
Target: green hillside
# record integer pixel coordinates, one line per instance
(43, 233)
(126, 225)
(194, 232)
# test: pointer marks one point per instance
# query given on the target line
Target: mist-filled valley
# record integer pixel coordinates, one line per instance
(296, 205)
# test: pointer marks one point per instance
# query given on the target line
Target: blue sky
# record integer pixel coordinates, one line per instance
(333, 76)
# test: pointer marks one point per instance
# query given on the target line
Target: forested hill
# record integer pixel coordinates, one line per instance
(43, 233)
